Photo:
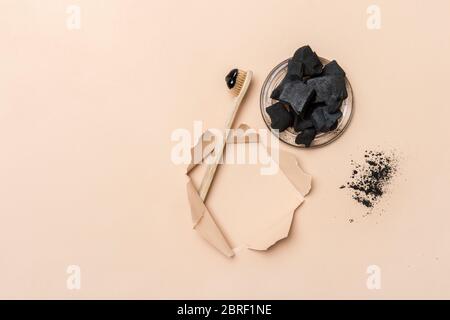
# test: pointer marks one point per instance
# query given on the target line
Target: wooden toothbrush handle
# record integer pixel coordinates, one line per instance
(208, 178)
(211, 168)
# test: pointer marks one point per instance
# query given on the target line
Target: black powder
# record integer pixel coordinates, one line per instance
(369, 180)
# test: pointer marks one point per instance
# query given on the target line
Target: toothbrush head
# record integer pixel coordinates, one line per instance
(235, 80)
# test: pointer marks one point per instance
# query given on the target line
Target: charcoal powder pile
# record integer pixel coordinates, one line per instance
(369, 180)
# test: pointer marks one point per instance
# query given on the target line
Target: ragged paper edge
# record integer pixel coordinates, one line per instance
(277, 232)
(204, 223)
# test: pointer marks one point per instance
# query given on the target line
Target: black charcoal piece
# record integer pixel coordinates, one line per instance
(328, 89)
(300, 123)
(306, 137)
(297, 95)
(324, 121)
(318, 119)
(294, 72)
(277, 91)
(311, 62)
(332, 120)
(275, 95)
(334, 126)
(333, 69)
(307, 112)
(334, 106)
(280, 116)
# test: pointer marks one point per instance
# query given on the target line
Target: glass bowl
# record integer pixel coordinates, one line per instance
(288, 136)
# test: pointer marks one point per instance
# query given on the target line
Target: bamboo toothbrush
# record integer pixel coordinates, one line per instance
(238, 81)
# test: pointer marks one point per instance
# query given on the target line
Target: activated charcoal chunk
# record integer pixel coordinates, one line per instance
(333, 69)
(301, 123)
(277, 91)
(275, 95)
(297, 95)
(318, 119)
(294, 72)
(280, 116)
(332, 119)
(328, 89)
(311, 62)
(310, 96)
(324, 121)
(334, 106)
(306, 137)
(334, 126)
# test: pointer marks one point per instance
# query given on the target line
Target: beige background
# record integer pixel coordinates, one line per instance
(85, 171)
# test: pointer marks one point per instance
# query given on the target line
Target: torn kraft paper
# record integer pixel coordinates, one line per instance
(271, 223)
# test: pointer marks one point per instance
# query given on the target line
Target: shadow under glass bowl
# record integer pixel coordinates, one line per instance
(288, 136)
